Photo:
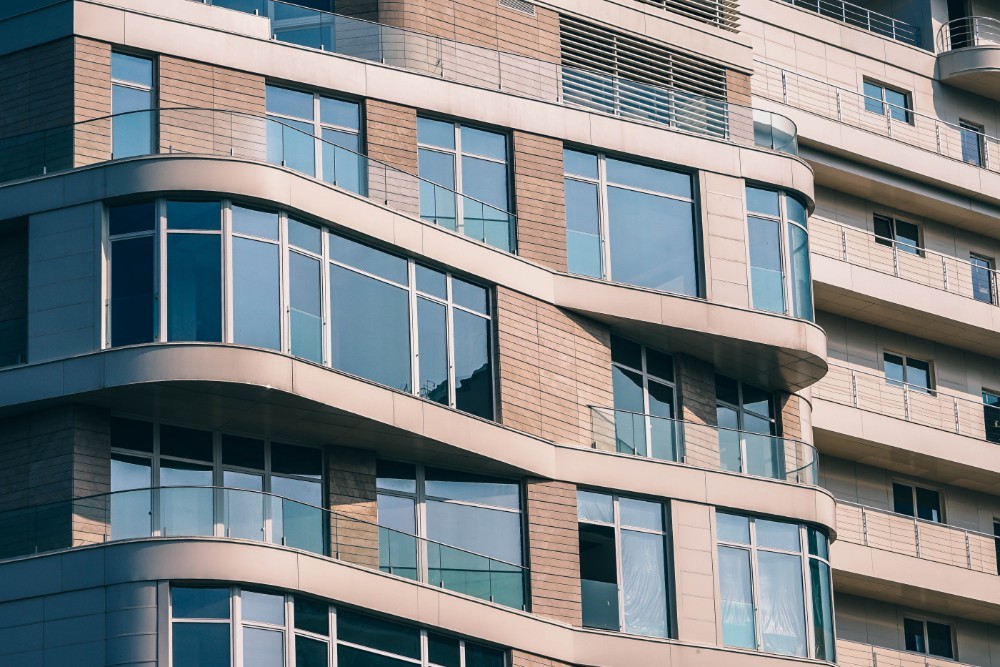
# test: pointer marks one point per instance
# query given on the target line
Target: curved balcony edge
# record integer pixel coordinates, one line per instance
(975, 68)
(323, 404)
(776, 351)
(217, 561)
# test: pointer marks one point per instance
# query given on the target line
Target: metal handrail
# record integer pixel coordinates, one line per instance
(909, 535)
(857, 654)
(859, 247)
(849, 107)
(722, 13)
(968, 31)
(861, 17)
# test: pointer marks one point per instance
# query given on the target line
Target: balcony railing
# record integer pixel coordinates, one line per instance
(934, 408)
(873, 115)
(185, 511)
(909, 536)
(859, 247)
(969, 31)
(863, 18)
(722, 13)
(856, 654)
(704, 446)
(215, 132)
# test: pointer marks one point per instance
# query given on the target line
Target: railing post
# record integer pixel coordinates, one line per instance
(784, 87)
(895, 260)
(937, 134)
(864, 525)
(843, 242)
(968, 550)
(840, 108)
(906, 402)
(916, 535)
(854, 389)
(944, 273)
(888, 118)
(958, 415)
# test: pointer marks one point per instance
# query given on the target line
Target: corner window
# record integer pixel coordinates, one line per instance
(475, 515)
(907, 372)
(645, 396)
(200, 626)
(973, 143)
(316, 135)
(764, 593)
(928, 637)
(631, 223)
(475, 163)
(747, 426)
(132, 101)
(14, 291)
(991, 415)
(886, 101)
(898, 234)
(623, 564)
(778, 238)
(916, 502)
(984, 279)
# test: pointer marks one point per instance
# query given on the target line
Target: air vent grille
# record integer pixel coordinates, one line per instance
(522, 6)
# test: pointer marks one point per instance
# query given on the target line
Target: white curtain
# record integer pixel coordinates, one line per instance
(644, 584)
(737, 598)
(782, 608)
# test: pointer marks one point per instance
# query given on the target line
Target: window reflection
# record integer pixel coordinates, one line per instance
(132, 102)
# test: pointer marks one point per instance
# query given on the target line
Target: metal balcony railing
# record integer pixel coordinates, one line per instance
(860, 247)
(910, 536)
(214, 132)
(968, 31)
(934, 408)
(873, 115)
(240, 514)
(856, 654)
(863, 18)
(722, 13)
(703, 446)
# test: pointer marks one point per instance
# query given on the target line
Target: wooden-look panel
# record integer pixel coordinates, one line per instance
(92, 100)
(554, 551)
(391, 137)
(541, 201)
(522, 659)
(351, 482)
(696, 388)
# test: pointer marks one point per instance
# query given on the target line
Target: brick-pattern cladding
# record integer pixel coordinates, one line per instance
(553, 365)
(541, 202)
(13, 292)
(696, 387)
(92, 94)
(229, 116)
(354, 506)
(391, 138)
(522, 659)
(554, 550)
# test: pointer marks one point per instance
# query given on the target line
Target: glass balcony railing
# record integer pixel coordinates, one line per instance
(196, 131)
(704, 446)
(240, 514)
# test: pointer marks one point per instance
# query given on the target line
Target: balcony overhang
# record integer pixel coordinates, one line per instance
(973, 68)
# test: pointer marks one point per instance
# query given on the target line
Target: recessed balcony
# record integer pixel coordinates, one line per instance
(969, 54)
(862, 18)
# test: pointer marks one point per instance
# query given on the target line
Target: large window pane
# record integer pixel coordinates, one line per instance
(369, 259)
(737, 598)
(599, 577)
(305, 313)
(473, 370)
(194, 287)
(782, 613)
(263, 648)
(485, 181)
(583, 233)
(493, 533)
(378, 634)
(310, 652)
(256, 293)
(644, 586)
(630, 420)
(132, 291)
(132, 124)
(379, 351)
(798, 249)
(432, 327)
(822, 610)
(343, 164)
(130, 509)
(199, 602)
(201, 644)
(765, 265)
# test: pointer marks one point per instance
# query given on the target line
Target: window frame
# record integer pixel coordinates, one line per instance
(648, 377)
(152, 89)
(978, 261)
(924, 619)
(741, 409)
(967, 127)
(893, 241)
(913, 486)
(905, 384)
(991, 409)
(888, 107)
(783, 220)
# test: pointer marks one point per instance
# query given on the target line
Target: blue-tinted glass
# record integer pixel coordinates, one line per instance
(432, 329)
(263, 607)
(893, 365)
(644, 583)
(798, 248)
(652, 242)
(348, 656)
(435, 133)
(479, 489)
(764, 202)
(124, 100)
(648, 178)
(873, 98)
(378, 634)
(972, 145)
(255, 223)
(900, 104)
(397, 513)
(431, 281)
(485, 181)
(130, 472)
(305, 311)
(487, 144)
(311, 652)
(580, 164)
(796, 211)
(291, 143)
(737, 598)
(819, 545)
(777, 535)
(256, 294)
(194, 215)
(732, 528)
(339, 112)
(199, 602)
(201, 644)
(473, 371)
(194, 287)
(287, 102)
(263, 648)
(132, 218)
(766, 275)
(305, 236)
(489, 532)
(444, 651)
(301, 25)
(583, 239)
(395, 476)
(470, 296)
(312, 616)
(379, 351)
(437, 167)
(481, 656)
(822, 611)
(630, 422)
(132, 132)
(368, 259)
(132, 69)
(343, 165)
(245, 6)
(132, 291)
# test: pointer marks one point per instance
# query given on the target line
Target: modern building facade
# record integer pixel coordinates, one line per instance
(499, 333)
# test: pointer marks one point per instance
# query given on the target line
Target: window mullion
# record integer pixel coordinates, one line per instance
(459, 185)
(619, 565)
(604, 224)
(227, 272)
(755, 587)
(450, 342)
(421, 524)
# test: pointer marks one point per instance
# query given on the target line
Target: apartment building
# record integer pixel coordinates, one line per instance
(499, 333)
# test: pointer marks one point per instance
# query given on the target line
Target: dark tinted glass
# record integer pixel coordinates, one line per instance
(479, 489)
(757, 400)
(201, 644)
(928, 504)
(727, 390)
(312, 616)
(918, 373)
(819, 545)
(132, 290)
(310, 652)
(893, 368)
(907, 236)
(470, 296)
(199, 602)
(659, 364)
(296, 460)
(348, 656)
(626, 352)
(939, 639)
(883, 230)
(902, 499)
(481, 656)
(913, 633)
(194, 287)
(473, 368)
(194, 215)
(443, 651)
(368, 259)
(395, 476)
(242, 452)
(185, 443)
(378, 634)
(599, 577)
(131, 434)
(132, 218)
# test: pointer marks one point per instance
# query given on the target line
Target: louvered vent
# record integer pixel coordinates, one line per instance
(518, 6)
(722, 13)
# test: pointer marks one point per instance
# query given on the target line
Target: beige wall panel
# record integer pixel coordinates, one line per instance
(352, 495)
(725, 240)
(540, 199)
(696, 386)
(522, 659)
(694, 563)
(554, 550)
(391, 137)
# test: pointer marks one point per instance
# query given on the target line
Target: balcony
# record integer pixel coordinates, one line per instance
(856, 654)
(863, 18)
(969, 54)
(704, 446)
(239, 514)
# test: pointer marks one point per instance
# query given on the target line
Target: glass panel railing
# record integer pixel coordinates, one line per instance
(600, 604)
(198, 511)
(703, 445)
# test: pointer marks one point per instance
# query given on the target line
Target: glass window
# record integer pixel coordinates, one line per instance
(903, 371)
(291, 129)
(903, 236)
(132, 104)
(764, 594)
(973, 143)
(644, 399)
(256, 278)
(991, 415)
(928, 637)
(748, 429)
(629, 538)
(133, 273)
(780, 273)
(194, 271)
(984, 284)
(886, 101)
(917, 502)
